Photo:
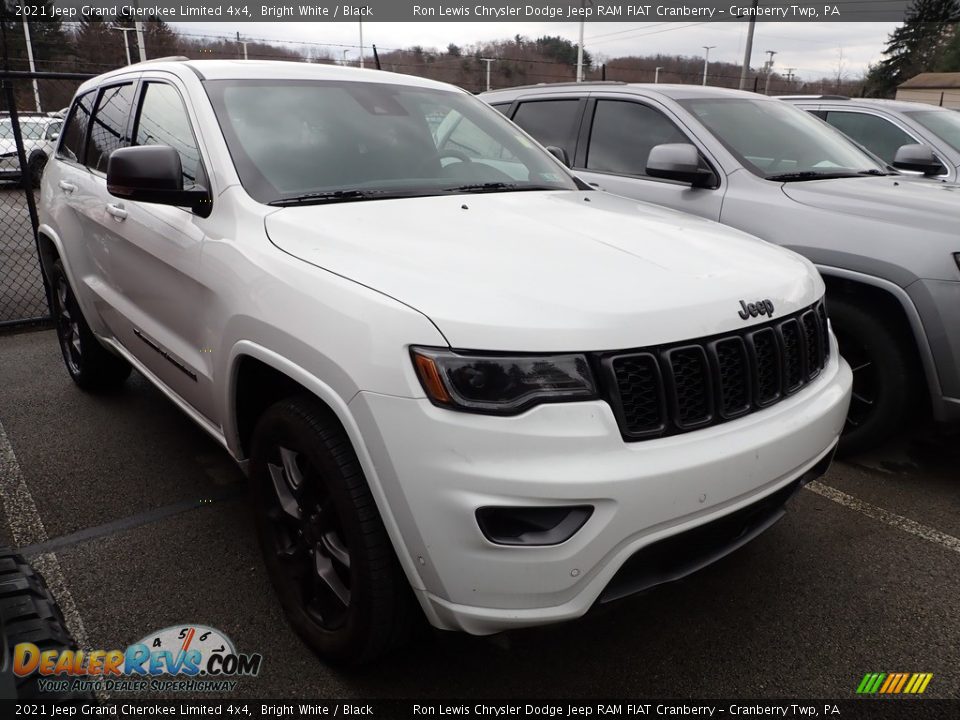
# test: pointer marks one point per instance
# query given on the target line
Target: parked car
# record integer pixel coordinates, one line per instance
(886, 244)
(40, 133)
(884, 126)
(452, 372)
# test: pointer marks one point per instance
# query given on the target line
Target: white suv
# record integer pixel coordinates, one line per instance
(455, 376)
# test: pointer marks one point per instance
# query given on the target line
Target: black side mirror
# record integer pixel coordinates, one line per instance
(679, 161)
(918, 158)
(153, 174)
(560, 154)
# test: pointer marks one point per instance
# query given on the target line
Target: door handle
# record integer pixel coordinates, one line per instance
(67, 187)
(117, 211)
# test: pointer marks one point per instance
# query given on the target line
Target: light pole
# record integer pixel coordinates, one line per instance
(580, 44)
(361, 43)
(343, 60)
(706, 61)
(488, 61)
(748, 50)
(126, 41)
(33, 69)
(766, 87)
(141, 43)
(656, 75)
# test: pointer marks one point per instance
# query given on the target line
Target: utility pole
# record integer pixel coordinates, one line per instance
(488, 61)
(33, 69)
(244, 43)
(790, 77)
(706, 61)
(579, 49)
(141, 44)
(766, 88)
(126, 41)
(656, 75)
(361, 43)
(748, 50)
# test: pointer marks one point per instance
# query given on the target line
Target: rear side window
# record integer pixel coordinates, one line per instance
(551, 122)
(108, 128)
(624, 133)
(879, 136)
(162, 120)
(75, 133)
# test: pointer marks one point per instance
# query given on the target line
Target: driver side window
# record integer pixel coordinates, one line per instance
(624, 133)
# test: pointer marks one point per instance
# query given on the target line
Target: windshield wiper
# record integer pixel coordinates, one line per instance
(334, 196)
(496, 187)
(811, 175)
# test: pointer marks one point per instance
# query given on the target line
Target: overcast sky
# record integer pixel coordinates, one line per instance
(813, 49)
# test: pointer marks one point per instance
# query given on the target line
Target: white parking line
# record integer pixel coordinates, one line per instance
(27, 529)
(877, 513)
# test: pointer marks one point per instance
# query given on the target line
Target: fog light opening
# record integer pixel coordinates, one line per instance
(532, 526)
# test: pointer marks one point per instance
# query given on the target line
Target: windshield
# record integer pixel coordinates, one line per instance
(780, 142)
(945, 125)
(321, 141)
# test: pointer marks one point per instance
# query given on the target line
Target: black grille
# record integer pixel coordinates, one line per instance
(673, 389)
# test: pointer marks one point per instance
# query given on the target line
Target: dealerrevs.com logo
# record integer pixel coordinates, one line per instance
(184, 658)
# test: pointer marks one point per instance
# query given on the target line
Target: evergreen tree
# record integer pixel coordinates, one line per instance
(916, 46)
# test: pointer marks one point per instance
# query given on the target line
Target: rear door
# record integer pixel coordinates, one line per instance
(616, 138)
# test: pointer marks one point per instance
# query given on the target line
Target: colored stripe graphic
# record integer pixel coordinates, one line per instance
(894, 683)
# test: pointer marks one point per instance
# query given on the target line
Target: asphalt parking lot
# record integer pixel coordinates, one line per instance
(142, 523)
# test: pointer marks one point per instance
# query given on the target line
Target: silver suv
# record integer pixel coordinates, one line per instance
(886, 244)
(884, 126)
(40, 133)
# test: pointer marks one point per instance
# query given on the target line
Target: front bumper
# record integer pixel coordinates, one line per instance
(436, 467)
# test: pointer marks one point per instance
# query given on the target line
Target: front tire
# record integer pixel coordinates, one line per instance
(92, 366)
(882, 377)
(324, 543)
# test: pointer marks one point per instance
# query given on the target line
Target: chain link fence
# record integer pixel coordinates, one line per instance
(32, 109)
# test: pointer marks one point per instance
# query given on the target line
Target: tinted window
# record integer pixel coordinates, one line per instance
(501, 107)
(75, 133)
(624, 133)
(108, 125)
(879, 136)
(163, 120)
(551, 122)
(945, 125)
(773, 138)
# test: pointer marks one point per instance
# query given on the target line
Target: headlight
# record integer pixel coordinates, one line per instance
(501, 384)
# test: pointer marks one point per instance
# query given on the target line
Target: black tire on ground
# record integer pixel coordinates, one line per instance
(90, 364)
(29, 614)
(884, 379)
(326, 549)
(37, 165)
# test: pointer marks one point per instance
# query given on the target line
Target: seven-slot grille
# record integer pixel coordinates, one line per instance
(677, 388)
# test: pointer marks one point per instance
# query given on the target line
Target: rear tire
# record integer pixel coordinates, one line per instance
(29, 614)
(326, 549)
(90, 364)
(883, 377)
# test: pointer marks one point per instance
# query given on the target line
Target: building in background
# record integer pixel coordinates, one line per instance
(933, 89)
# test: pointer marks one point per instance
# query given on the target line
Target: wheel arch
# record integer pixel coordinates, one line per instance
(861, 288)
(250, 361)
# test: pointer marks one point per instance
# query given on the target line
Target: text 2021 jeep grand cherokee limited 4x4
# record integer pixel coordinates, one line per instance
(445, 367)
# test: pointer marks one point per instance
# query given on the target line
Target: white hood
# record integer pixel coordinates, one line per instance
(549, 271)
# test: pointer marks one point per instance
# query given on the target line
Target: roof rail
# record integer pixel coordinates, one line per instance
(813, 97)
(168, 58)
(563, 84)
